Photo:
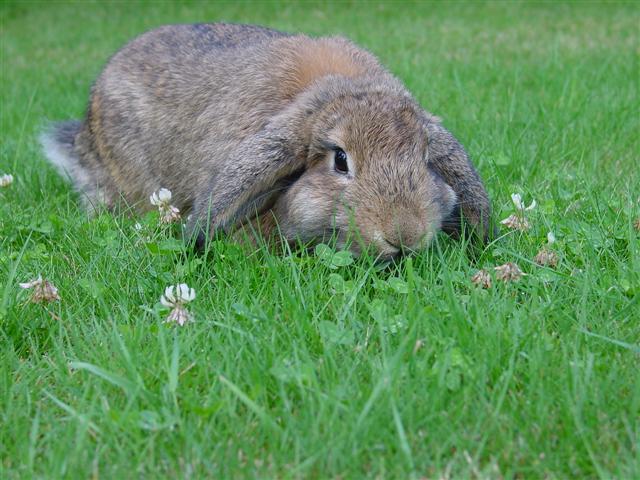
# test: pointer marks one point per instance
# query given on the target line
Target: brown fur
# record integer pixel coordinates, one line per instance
(223, 114)
(312, 59)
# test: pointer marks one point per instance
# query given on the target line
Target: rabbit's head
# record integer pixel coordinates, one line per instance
(368, 179)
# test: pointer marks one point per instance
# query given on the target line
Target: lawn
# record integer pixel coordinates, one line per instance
(301, 366)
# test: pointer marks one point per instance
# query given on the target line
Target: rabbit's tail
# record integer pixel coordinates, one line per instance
(59, 146)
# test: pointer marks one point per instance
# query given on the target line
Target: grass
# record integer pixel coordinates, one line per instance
(294, 369)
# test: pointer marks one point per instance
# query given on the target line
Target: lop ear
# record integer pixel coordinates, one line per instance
(451, 162)
(248, 172)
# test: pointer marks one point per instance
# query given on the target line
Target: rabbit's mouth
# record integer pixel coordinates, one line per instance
(378, 247)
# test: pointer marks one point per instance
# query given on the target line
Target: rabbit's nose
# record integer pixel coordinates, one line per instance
(390, 250)
(392, 253)
(406, 234)
(386, 249)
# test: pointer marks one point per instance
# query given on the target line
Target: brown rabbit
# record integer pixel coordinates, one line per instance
(237, 120)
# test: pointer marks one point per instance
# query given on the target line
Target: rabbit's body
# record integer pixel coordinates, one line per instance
(222, 114)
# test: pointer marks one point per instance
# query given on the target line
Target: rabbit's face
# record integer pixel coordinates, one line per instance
(368, 181)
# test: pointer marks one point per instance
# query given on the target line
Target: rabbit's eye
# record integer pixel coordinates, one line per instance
(340, 161)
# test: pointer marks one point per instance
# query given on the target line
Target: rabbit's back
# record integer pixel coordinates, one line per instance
(172, 103)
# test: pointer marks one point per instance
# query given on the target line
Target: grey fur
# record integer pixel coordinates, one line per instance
(220, 114)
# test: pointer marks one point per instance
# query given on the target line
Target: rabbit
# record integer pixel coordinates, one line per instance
(310, 135)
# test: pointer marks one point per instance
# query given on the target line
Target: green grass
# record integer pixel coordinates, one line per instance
(289, 372)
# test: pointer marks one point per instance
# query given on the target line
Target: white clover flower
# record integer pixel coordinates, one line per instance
(162, 199)
(518, 221)
(170, 215)
(551, 238)
(177, 294)
(43, 290)
(6, 180)
(509, 272)
(175, 297)
(547, 257)
(516, 198)
(179, 315)
(482, 279)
